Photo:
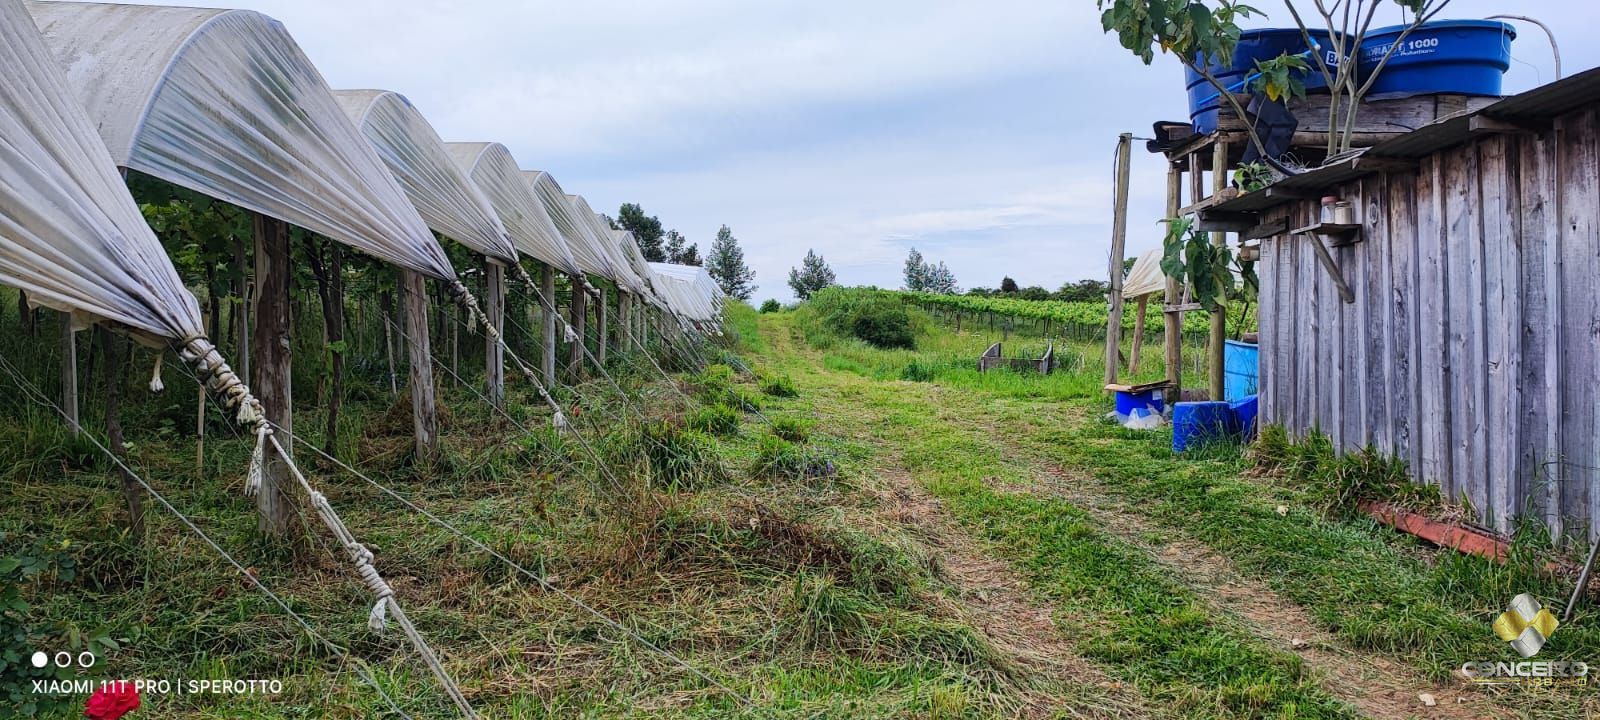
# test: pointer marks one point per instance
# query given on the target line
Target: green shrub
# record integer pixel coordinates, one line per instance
(791, 429)
(770, 306)
(680, 458)
(779, 458)
(876, 317)
(716, 419)
(778, 386)
(884, 324)
(918, 370)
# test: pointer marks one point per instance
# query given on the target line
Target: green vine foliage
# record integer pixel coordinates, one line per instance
(20, 567)
(1208, 269)
(1282, 77)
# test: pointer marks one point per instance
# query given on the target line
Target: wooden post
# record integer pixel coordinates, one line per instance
(424, 405)
(1138, 335)
(576, 314)
(132, 493)
(243, 286)
(602, 332)
(624, 310)
(69, 372)
(1219, 318)
(1171, 318)
(494, 367)
(1119, 241)
(386, 305)
(271, 378)
(547, 361)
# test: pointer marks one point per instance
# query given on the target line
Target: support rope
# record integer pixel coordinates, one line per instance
(33, 393)
(220, 379)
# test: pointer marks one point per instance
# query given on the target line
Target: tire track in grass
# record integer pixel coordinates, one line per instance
(1118, 605)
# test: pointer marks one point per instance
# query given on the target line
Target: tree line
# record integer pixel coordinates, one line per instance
(725, 262)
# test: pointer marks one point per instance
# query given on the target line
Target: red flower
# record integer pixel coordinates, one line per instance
(112, 701)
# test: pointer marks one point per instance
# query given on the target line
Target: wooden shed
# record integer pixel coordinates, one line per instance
(1457, 326)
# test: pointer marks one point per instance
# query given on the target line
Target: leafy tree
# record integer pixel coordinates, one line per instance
(1198, 30)
(679, 250)
(646, 231)
(1033, 292)
(1083, 291)
(726, 266)
(1007, 285)
(813, 275)
(916, 272)
(941, 280)
(770, 305)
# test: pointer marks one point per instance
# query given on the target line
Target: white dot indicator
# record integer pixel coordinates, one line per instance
(40, 659)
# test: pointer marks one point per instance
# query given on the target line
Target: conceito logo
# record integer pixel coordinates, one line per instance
(1526, 625)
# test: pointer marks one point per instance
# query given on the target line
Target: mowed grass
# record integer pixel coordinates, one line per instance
(1288, 524)
(787, 588)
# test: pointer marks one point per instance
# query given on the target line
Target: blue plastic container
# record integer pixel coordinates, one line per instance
(1135, 404)
(1469, 57)
(1244, 415)
(1240, 370)
(1195, 423)
(1264, 44)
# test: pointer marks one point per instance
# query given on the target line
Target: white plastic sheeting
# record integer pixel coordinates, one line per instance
(1145, 277)
(70, 234)
(600, 230)
(495, 171)
(447, 200)
(689, 291)
(225, 103)
(585, 247)
(625, 242)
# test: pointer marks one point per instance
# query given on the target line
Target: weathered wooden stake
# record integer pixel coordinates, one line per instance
(1171, 317)
(547, 361)
(577, 313)
(494, 367)
(424, 405)
(602, 333)
(1219, 318)
(242, 285)
(69, 372)
(1119, 241)
(271, 378)
(1138, 334)
(132, 493)
(624, 318)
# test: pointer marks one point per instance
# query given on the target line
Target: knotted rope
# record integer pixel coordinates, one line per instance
(233, 394)
(464, 297)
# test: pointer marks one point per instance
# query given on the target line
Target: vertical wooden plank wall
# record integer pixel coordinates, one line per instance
(1474, 342)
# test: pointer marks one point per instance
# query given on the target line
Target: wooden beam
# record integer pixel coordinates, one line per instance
(69, 372)
(1222, 221)
(1119, 240)
(424, 404)
(494, 355)
(548, 310)
(576, 315)
(1138, 335)
(1270, 228)
(1484, 125)
(1332, 266)
(602, 331)
(1219, 317)
(1172, 320)
(270, 371)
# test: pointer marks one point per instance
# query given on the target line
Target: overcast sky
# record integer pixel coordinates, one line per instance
(980, 133)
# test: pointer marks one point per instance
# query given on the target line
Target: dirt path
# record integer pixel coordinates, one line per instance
(1378, 686)
(1019, 622)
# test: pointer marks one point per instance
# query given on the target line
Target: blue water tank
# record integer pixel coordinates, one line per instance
(1196, 423)
(1240, 370)
(1244, 415)
(1263, 44)
(1468, 57)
